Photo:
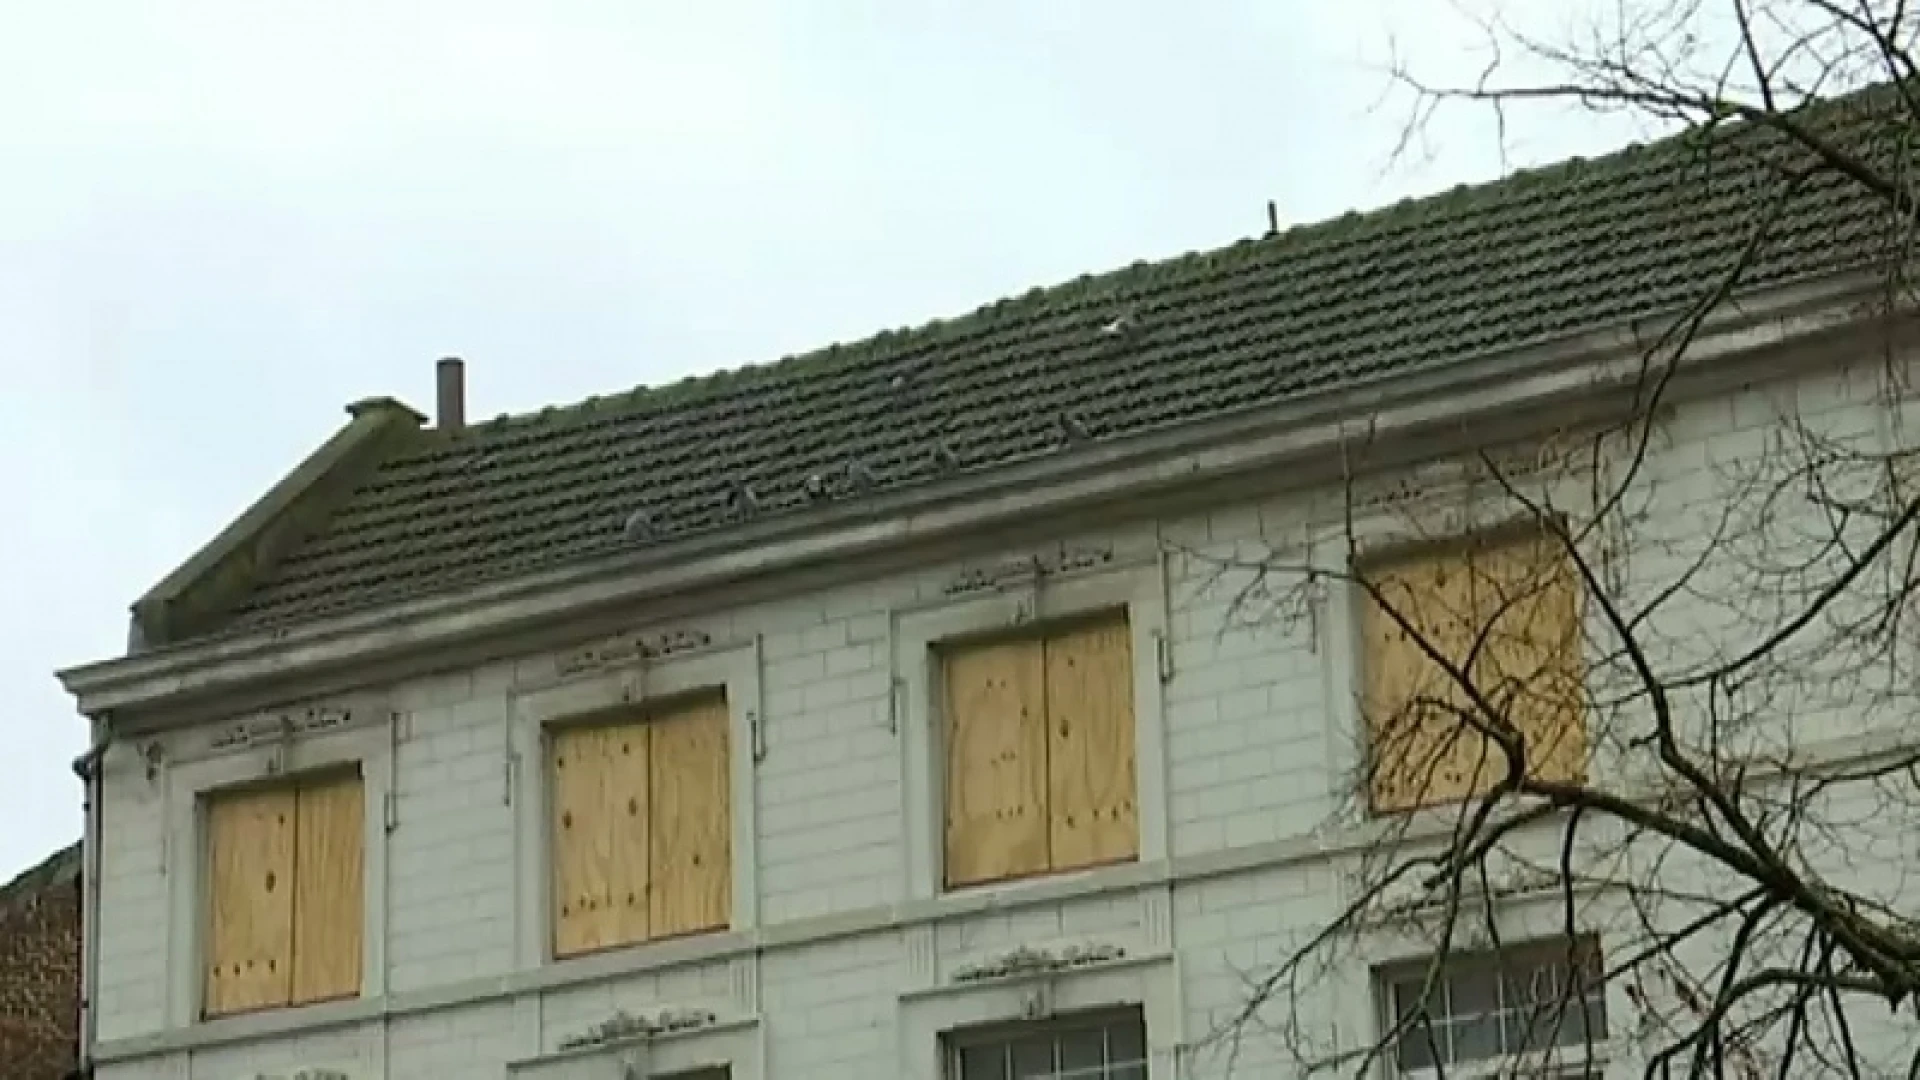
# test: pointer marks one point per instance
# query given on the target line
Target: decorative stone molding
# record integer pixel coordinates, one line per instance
(625, 1025)
(284, 724)
(1024, 961)
(1020, 571)
(628, 648)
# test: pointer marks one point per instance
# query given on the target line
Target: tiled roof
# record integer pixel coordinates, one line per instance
(1536, 257)
(58, 868)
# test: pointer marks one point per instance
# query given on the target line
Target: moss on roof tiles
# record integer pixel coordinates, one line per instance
(59, 868)
(1541, 254)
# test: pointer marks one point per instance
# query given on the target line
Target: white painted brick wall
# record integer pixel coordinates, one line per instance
(1252, 719)
(133, 897)
(451, 856)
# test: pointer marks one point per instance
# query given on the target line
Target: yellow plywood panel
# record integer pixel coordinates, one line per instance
(629, 822)
(1533, 669)
(692, 822)
(1090, 754)
(592, 768)
(1421, 749)
(250, 901)
(328, 901)
(996, 762)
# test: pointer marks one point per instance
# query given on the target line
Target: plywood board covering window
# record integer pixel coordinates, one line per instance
(1505, 610)
(285, 903)
(1040, 752)
(642, 827)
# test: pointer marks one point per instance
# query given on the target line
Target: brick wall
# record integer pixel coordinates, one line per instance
(40, 970)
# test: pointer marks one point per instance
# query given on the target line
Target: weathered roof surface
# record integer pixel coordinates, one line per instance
(1535, 257)
(59, 868)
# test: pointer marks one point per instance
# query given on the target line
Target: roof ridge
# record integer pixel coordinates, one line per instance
(1536, 255)
(1409, 209)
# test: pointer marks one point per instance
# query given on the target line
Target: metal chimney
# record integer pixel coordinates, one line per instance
(450, 413)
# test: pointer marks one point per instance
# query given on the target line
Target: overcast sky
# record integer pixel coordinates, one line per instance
(221, 222)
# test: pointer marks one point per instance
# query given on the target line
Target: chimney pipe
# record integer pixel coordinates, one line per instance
(451, 411)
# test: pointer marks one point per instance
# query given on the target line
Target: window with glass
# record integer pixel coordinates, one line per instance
(1543, 1004)
(1105, 1046)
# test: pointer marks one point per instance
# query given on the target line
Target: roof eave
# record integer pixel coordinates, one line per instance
(1329, 424)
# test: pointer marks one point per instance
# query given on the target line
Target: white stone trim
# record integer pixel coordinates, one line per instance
(734, 668)
(739, 1045)
(925, 1016)
(1137, 588)
(188, 784)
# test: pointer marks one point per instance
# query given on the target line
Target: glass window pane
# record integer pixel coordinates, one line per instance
(1086, 1050)
(1033, 1057)
(1533, 985)
(1083, 1050)
(1583, 1020)
(1526, 998)
(1550, 1023)
(1406, 1000)
(1126, 1042)
(1421, 1047)
(1475, 1038)
(984, 1062)
(1473, 993)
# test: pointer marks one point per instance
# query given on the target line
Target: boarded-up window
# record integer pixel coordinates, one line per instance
(642, 827)
(284, 900)
(1505, 610)
(1040, 752)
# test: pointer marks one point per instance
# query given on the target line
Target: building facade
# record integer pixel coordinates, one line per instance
(924, 708)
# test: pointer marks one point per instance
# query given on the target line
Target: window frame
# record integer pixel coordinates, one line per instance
(955, 1043)
(1494, 538)
(365, 744)
(926, 1016)
(292, 785)
(918, 632)
(1451, 498)
(641, 715)
(1536, 954)
(732, 668)
(1041, 635)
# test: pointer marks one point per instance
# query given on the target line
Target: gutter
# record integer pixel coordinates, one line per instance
(1592, 369)
(87, 768)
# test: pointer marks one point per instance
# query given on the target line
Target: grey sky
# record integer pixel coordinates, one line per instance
(221, 222)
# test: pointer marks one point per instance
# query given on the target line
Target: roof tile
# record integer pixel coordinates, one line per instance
(1473, 271)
